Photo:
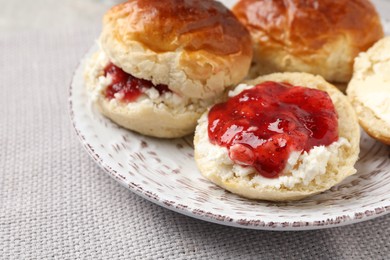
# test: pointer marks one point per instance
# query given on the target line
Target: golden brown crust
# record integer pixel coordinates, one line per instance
(311, 28)
(191, 24)
(305, 26)
(195, 47)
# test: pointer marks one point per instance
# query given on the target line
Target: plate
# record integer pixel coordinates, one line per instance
(164, 172)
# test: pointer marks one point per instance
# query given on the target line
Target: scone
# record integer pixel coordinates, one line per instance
(317, 37)
(369, 90)
(162, 63)
(280, 137)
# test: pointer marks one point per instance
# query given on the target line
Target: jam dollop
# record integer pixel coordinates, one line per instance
(126, 87)
(261, 126)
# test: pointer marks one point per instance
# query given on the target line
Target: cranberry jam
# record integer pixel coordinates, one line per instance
(127, 86)
(261, 126)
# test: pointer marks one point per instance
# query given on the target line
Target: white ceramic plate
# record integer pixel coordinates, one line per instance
(164, 172)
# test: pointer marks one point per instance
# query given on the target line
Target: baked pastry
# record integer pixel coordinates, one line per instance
(161, 63)
(274, 140)
(146, 108)
(369, 90)
(317, 37)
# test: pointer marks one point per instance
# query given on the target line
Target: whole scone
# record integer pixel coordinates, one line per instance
(317, 37)
(369, 90)
(162, 63)
(306, 173)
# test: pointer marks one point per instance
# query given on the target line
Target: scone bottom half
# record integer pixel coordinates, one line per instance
(369, 90)
(280, 137)
(156, 81)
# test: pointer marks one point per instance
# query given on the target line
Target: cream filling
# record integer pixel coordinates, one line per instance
(374, 87)
(150, 96)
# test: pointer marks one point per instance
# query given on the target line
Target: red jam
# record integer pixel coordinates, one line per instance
(261, 126)
(127, 86)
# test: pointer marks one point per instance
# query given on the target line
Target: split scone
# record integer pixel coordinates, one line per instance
(162, 63)
(317, 37)
(369, 90)
(280, 137)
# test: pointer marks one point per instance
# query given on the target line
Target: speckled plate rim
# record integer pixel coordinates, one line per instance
(198, 213)
(356, 216)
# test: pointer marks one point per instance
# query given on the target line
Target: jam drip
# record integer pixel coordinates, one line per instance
(261, 126)
(126, 87)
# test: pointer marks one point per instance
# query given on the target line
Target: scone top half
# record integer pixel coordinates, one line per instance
(197, 48)
(280, 137)
(317, 37)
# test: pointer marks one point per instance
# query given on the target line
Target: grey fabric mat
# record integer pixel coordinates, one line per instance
(56, 203)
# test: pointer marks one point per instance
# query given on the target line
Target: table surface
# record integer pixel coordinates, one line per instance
(57, 203)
